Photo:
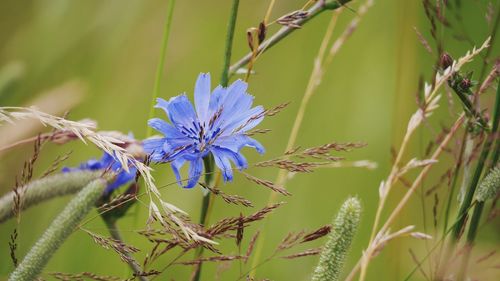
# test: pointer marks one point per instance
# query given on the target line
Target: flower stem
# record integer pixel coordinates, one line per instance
(207, 202)
(161, 62)
(44, 189)
(55, 235)
(224, 79)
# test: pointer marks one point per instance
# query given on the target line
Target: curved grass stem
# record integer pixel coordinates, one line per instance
(55, 235)
(313, 11)
(44, 189)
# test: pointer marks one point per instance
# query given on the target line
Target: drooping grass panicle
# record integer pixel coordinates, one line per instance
(339, 241)
(109, 144)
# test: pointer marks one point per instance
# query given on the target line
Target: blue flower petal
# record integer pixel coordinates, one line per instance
(154, 147)
(176, 166)
(216, 98)
(162, 104)
(195, 170)
(110, 163)
(202, 96)
(181, 113)
(122, 178)
(237, 96)
(164, 128)
(255, 144)
(242, 122)
(222, 161)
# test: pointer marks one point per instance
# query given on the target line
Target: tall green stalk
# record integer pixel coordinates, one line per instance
(209, 161)
(489, 182)
(461, 218)
(55, 235)
(454, 181)
(161, 63)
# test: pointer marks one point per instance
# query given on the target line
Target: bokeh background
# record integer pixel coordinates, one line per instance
(97, 59)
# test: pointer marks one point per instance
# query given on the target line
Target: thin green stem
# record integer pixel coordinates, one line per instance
(494, 32)
(454, 181)
(161, 63)
(224, 79)
(478, 209)
(209, 161)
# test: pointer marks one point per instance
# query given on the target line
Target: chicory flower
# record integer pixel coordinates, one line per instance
(217, 124)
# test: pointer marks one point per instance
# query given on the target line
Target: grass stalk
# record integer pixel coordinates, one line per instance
(477, 174)
(207, 201)
(45, 189)
(161, 63)
(282, 174)
(312, 12)
(478, 209)
(368, 254)
(58, 231)
(322, 60)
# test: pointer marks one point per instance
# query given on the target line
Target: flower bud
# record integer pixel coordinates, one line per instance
(465, 84)
(445, 61)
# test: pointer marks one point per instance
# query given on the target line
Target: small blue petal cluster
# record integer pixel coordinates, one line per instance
(107, 162)
(217, 125)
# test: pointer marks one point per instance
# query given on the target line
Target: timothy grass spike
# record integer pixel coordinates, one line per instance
(489, 186)
(336, 248)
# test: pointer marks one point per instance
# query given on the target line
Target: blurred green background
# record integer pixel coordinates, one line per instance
(98, 59)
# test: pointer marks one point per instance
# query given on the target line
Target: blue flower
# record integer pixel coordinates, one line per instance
(218, 126)
(107, 162)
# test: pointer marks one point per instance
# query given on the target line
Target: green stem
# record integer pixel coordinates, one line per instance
(44, 189)
(161, 63)
(207, 202)
(477, 173)
(55, 235)
(209, 161)
(454, 181)
(494, 32)
(312, 12)
(224, 79)
(478, 209)
(467, 104)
